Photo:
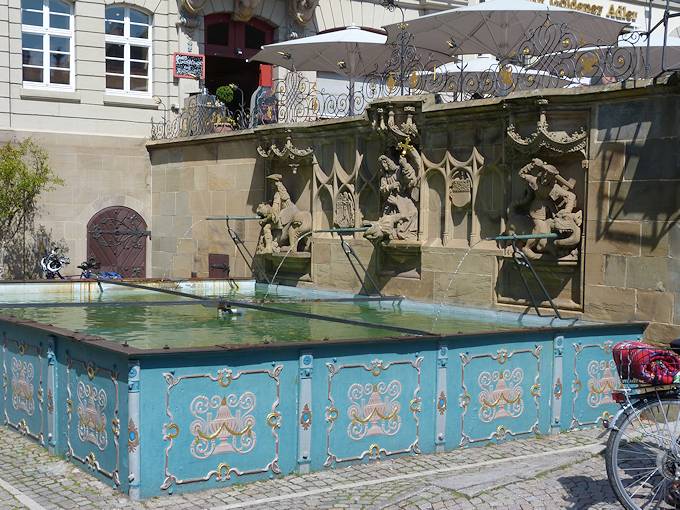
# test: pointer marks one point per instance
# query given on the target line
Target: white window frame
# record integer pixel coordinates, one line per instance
(46, 32)
(128, 41)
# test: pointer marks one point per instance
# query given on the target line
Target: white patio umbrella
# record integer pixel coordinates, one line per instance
(485, 75)
(352, 52)
(499, 27)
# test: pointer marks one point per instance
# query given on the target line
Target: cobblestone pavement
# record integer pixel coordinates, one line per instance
(565, 471)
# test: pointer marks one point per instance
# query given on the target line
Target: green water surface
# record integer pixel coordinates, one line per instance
(123, 317)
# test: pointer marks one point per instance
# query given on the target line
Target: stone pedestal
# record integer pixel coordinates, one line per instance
(400, 259)
(294, 267)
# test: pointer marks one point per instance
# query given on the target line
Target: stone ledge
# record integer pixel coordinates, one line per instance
(60, 96)
(130, 102)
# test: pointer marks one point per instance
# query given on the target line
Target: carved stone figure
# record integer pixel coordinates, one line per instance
(547, 207)
(244, 10)
(283, 223)
(344, 210)
(399, 193)
(302, 11)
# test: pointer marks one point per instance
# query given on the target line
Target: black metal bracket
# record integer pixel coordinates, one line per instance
(522, 261)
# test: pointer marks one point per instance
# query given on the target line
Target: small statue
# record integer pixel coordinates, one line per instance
(547, 207)
(282, 222)
(244, 10)
(399, 193)
(302, 10)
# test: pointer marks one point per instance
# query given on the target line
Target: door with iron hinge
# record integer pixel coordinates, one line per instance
(116, 238)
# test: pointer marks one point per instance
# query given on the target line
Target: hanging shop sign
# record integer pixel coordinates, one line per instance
(188, 65)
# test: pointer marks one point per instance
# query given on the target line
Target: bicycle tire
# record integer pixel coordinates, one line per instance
(661, 461)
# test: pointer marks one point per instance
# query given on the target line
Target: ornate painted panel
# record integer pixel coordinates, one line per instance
(373, 409)
(24, 374)
(93, 417)
(500, 392)
(221, 425)
(592, 374)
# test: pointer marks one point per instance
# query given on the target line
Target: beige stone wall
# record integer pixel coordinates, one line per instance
(192, 182)
(626, 184)
(98, 172)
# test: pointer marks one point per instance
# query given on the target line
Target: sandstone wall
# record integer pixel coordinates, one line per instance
(98, 172)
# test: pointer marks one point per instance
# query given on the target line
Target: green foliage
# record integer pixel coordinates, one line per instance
(24, 174)
(225, 93)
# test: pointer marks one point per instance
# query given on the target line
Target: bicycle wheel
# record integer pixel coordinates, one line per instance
(643, 454)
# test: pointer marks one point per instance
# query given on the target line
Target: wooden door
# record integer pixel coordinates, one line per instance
(116, 238)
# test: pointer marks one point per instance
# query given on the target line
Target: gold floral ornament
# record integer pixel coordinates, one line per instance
(224, 377)
(535, 390)
(171, 427)
(505, 75)
(91, 371)
(274, 420)
(222, 471)
(391, 82)
(331, 414)
(441, 403)
(413, 79)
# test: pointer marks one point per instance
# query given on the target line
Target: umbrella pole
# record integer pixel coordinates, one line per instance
(350, 106)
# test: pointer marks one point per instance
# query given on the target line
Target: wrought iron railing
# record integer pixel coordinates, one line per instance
(550, 57)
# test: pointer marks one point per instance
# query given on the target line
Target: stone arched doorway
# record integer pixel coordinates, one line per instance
(116, 238)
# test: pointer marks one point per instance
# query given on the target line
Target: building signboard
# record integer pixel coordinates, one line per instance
(188, 65)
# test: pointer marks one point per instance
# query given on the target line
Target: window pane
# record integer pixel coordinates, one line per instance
(33, 74)
(59, 21)
(217, 34)
(115, 13)
(60, 44)
(254, 38)
(138, 17)
(139, 53)
(32, 58)
(114, 66)
(113, 28)
(32, 4)
(115, 50)
(139, 68)
(32, 41)
(61, 77)
(32, 18)
(139, 31)
(59, 60)
(59, 6)
(138, 84)
(114, 82)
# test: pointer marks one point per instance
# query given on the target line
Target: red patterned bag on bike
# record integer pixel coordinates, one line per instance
(644, 363)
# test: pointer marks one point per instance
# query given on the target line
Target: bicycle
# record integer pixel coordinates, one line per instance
(643, 451)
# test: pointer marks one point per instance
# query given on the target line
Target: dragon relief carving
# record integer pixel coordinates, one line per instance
(399, 193)
(548, 206)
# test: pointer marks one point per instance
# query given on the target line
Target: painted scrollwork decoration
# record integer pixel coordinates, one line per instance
(374, 409)
(91, 415)
(501, 394)
(222, 424)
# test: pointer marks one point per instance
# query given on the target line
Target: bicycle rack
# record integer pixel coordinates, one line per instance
(522, 261)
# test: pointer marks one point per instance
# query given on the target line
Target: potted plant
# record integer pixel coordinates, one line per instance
(224, 120)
